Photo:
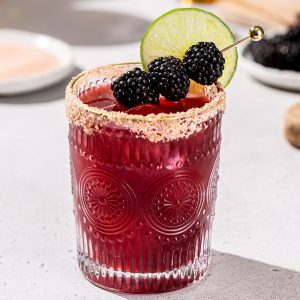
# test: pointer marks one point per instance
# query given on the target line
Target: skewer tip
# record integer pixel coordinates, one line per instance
(256, 33)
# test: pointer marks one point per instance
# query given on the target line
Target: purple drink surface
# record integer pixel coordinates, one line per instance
(143, 209)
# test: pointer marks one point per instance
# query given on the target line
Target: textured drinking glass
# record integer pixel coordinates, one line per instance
(144, 189)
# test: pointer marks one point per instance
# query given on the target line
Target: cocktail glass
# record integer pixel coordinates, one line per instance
(144, 188)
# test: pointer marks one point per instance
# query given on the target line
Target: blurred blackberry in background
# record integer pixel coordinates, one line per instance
(263, 53)
(280, 52)
(294, 33)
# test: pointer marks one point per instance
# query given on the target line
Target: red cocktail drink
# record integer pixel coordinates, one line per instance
(144, 188)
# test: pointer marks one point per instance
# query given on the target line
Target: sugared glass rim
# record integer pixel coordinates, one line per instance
(218, 102)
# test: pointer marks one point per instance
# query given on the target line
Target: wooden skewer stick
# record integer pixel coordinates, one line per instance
(256, 33)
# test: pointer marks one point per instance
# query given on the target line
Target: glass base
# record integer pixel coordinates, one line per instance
(126, 282)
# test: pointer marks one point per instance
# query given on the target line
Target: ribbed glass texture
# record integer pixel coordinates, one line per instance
(144, 210)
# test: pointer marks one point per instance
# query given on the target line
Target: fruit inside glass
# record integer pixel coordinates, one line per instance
(144, 187)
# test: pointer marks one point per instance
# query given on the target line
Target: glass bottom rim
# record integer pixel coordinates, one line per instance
(142, 283)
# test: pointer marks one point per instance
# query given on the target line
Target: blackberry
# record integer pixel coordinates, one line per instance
(264, 53)
(277, 39)
(204, 63)
(277, 53)
(282, 51)
(289, 56)
(293, 35)
(169, 77)
(134, 87)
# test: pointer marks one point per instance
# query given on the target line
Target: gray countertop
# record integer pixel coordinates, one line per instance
(257, 214)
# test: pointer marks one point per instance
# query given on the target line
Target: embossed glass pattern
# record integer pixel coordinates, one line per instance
(144, 209)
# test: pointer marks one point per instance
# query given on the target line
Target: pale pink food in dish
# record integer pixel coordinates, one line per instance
(20, 60)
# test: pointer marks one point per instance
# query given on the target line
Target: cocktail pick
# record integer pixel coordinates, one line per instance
(256, 33)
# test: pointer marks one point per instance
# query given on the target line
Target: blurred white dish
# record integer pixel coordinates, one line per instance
(57, 48)
(284, 79)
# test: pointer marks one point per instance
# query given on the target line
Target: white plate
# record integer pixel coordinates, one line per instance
(58, 48)
(284, 79)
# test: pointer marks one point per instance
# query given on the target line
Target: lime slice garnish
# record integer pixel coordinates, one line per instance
(177, 30)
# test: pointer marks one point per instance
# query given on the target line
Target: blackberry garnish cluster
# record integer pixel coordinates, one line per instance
(204, 63)
(280, 52)
(135, 87)
(169, 77)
